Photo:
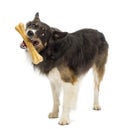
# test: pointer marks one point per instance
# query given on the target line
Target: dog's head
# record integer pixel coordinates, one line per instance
(40, 33)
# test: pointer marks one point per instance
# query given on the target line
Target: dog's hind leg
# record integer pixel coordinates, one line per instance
(98, 73)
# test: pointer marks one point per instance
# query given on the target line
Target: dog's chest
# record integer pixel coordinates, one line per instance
(55, 77)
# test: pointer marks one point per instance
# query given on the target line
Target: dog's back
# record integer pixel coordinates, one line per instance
(87, 47)
(78, 50)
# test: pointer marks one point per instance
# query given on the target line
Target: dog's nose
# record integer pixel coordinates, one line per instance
(30, 33)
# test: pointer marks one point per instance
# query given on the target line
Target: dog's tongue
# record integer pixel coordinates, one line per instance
(23, 45)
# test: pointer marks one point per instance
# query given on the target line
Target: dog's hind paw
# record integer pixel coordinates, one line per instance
(64, 121)
(53, 115)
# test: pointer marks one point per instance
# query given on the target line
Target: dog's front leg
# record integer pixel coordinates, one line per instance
(55, 92)
(56, 88)
(69, 102)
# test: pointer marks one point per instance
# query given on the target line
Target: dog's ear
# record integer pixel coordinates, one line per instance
(37, 16)
(59, 34)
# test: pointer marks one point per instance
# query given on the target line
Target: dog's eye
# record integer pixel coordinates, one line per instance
(28, 24)
(43, 28)
(35, 25)
(42, 31)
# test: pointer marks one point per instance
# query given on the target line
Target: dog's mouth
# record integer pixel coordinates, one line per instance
(24, 46)
(37, 43)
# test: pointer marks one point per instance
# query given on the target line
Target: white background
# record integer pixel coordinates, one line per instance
(25, 95)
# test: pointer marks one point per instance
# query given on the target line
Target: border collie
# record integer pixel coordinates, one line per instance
(67, 57)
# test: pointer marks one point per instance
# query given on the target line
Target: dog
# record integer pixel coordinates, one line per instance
(67, 57)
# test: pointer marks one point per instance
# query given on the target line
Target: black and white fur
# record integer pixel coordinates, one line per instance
(67, 57)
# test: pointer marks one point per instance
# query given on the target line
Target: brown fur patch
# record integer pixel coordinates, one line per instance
(67, 75)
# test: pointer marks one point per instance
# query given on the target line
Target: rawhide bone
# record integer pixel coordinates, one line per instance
(36, 58)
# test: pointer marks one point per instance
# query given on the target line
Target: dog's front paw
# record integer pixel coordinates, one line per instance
(53, 115)
(96, 107)
(64, 121)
